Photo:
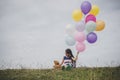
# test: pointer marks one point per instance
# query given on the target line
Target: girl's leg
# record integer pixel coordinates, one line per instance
(63, 67)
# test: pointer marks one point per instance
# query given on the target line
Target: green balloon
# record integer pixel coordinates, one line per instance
(90, 26)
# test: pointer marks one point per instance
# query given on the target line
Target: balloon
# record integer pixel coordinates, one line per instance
(80, 36)
(80, 26)
(77, 15)
(70, 41)
(92, 37)
(100, 25)
(90, 17)
(90, 26)
(86, 7)
(95, 10)
(70, 29)
(80, 47)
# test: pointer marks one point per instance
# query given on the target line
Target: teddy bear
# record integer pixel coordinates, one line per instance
(57, 65)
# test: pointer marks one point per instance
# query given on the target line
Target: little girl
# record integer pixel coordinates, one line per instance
(69, 59)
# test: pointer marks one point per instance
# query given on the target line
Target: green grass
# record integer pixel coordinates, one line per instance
(83, 73)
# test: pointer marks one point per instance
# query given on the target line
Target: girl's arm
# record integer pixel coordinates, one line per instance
(77, 55)
(62, 62)
(75, 58)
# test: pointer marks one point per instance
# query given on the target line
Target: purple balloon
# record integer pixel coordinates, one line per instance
(80, 26)
(86, 7)
(92, 37)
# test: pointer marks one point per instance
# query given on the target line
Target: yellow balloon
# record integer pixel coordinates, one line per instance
(77, 15)
(100, 25)
(94, 10)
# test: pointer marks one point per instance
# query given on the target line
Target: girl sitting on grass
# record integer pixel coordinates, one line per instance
(69, 60)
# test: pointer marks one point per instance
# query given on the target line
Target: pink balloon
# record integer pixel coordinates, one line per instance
(80, 47)
(90, 17)
(80, 36)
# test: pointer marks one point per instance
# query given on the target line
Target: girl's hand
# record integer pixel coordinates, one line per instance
(78, 52)
(60, 65)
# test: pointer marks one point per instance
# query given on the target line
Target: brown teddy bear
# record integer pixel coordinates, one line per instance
(57, 65)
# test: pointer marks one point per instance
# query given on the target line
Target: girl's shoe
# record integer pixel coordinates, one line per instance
(63, 67)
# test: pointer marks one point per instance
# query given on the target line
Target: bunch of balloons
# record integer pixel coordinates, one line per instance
(76, 33)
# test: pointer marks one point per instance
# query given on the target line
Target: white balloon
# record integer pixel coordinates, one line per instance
(70, 29)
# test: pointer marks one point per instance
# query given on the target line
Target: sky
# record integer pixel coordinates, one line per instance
(32, 33)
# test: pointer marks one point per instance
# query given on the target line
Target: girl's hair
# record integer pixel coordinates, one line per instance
(69, 52)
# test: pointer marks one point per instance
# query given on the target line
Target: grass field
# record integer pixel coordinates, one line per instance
(83, 73)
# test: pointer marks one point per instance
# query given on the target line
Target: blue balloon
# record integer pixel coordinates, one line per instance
(70, 41)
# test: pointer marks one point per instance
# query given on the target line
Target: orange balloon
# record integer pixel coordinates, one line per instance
(100, 25)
